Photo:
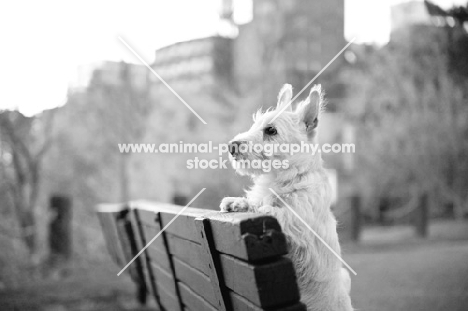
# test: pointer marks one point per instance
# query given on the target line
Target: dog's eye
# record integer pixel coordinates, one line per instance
(270, 130)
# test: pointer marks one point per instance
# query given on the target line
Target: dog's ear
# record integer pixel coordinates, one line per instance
(311, 109)
(284, 98)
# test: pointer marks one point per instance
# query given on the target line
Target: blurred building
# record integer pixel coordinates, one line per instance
(111, 73)
(312, 32)
(115, 73)
(194, 65)
(286, 41)
(407, 14)
(290, 41)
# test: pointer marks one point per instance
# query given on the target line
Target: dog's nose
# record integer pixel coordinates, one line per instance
(234, 147)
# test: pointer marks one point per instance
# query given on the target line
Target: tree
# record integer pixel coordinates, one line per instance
(411, 118)
(120, 111)
(458, 13)
(455, 27)
(23, 143)
(112, 109)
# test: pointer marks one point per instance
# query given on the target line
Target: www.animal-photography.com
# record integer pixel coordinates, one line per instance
(234, 155)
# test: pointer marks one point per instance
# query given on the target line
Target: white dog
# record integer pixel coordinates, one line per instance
(303, 184)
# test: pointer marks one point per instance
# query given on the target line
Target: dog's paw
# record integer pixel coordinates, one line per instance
(234, 204)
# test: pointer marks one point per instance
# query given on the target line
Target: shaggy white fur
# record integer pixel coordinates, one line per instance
(304, 186)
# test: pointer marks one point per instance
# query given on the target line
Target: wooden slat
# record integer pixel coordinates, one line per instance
(160, 261)
(197, 281)
(183, 226)
(265, 285)
(168, 301)
(182, 251)
(128, 232)
(147, 218)
(189, 252)
(211, 256)
(164, 280)
(194, 301)
(119, 233)
(193, 278)
(166, 208)
(172, 271)
(106, 208)
(185, 250)
(260, 236)
(150, 233)
(149, 274)
(122, 232)
(122, 238)
(159, 258)
(111, 236)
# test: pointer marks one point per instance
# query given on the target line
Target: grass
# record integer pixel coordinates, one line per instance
(406, 273)
(80, 287)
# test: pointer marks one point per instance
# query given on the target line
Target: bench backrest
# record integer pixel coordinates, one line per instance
(203, 260)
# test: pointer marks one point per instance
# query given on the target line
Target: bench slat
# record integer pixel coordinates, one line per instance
(211, 256)
(168, 301)
(255, 244)
(265, 285)
(189, 252)
(194, 301)
(149, 277)
(120, 235)
(171, 264)
(196, 280)
(111, 236)
(159, 258)
(183, 249)
(183, 226)
(164, 280)
(150, 233)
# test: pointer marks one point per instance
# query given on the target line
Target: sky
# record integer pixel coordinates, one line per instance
(44, 42)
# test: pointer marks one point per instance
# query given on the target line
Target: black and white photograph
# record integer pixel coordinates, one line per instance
(234, 155)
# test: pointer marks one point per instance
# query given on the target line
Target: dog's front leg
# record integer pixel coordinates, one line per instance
(235, 204)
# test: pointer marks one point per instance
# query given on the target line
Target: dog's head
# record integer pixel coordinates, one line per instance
(275, 131)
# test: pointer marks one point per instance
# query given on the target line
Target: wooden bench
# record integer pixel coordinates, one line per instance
(204, 260)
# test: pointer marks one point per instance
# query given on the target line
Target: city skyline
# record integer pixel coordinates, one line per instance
(39, 63)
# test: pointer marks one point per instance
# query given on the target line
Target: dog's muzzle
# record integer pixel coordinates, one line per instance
(234, 147)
